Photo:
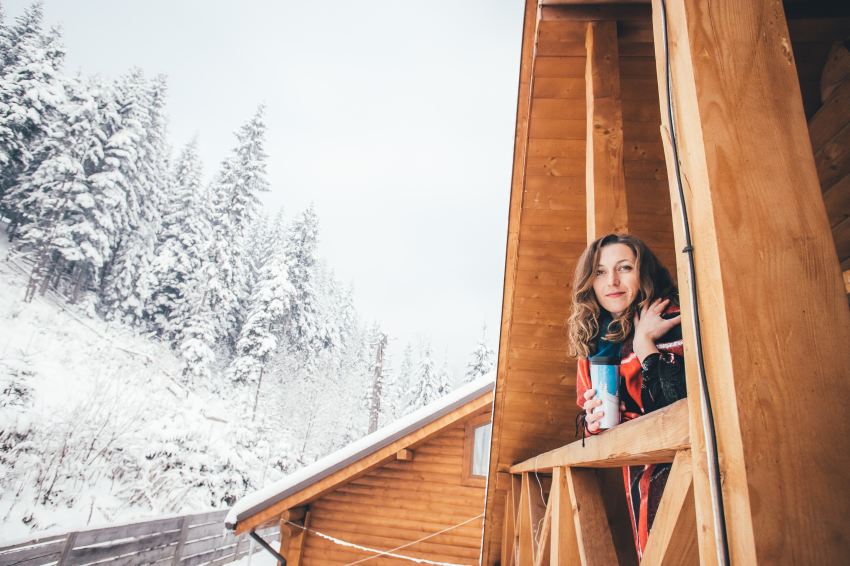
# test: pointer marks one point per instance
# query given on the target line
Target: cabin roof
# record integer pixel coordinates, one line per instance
(297, 481)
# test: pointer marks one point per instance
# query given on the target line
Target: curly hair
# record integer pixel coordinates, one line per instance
(583, 324)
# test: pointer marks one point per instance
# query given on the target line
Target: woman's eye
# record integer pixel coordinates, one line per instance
(599, 272)
(625, 268)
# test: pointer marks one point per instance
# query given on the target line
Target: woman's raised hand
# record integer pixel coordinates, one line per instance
(649, 324)
(649, 327)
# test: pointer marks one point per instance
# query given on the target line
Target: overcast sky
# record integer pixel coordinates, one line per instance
(395, 118)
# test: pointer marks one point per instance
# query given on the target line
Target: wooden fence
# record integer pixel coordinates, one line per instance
(190, 540)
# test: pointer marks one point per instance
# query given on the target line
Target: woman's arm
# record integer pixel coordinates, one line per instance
(663, 380)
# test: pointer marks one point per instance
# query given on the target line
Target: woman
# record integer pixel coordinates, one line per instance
(625, 305)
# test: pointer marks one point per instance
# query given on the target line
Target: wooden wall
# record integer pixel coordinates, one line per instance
(535, 405)
(820, 47)
(400, 502)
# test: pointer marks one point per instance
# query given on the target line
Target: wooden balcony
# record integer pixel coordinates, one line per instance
(572, 525)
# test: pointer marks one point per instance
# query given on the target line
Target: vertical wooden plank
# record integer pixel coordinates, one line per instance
(296, 543)
(595, 545)
(65, 559)
(673, 539)
(762, 245)
(605, 179)
(508, 531)
(564, 544)
(530, 513)
(541, 544)
(178, 550)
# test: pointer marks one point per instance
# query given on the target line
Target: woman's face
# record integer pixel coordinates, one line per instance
(617, 282)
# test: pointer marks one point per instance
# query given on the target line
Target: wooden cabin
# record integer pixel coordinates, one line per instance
(422, 475)
(760, 98)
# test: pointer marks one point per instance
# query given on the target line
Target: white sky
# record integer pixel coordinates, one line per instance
(395, 118)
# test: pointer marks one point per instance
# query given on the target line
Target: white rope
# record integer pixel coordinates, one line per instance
(391, 551)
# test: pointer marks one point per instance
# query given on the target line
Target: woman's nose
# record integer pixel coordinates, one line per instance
(613, 279)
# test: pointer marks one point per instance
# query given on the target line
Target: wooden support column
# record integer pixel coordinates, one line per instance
(564, 550)
(773, 312)
(591, 523)
(605, 180)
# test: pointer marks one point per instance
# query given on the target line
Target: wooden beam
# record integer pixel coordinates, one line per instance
(762, 245)
(542, 551)
(508, 531)
(564, 547)
(294, 515)
(673, 539)
(584, 12)
(295, 547)
(525, 523)
(405, 455)
(605, 181)
(589, 2)
(595, 544)
(650, 439)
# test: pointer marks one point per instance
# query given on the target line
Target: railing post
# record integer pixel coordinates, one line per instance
(184, 532)
(67, 549)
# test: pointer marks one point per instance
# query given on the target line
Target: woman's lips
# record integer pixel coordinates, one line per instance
(615, 295)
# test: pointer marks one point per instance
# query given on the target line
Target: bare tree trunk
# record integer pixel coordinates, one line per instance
(377, 384)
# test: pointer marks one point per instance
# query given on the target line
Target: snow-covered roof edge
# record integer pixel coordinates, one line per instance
(255, 502)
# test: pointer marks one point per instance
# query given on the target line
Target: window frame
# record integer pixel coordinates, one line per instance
(467, 478)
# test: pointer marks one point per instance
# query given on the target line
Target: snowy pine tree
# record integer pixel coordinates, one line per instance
(182, 248)
(483, 359)
(66, 228)
(31, 89)
(302, 328)
(236, 192)
(137, 156)
(428, 383)
(268, 307)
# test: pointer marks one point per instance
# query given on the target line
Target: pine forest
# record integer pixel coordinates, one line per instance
(167, 344)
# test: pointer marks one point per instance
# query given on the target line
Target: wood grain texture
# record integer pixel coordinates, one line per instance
(595, 545)
(673, 539)
(652, 438)
(605, 182)
(763, 245)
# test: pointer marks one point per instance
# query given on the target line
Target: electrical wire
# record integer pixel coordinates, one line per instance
(712, 456)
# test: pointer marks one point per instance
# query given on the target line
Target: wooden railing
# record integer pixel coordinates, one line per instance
(189, 540)
(572, 525)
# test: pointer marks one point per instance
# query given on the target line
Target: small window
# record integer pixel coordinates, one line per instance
(481, 450)
(476, 450)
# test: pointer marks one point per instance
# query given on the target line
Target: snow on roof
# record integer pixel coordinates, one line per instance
(255, 502)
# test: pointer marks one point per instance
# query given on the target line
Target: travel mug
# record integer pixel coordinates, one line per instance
(605, 378)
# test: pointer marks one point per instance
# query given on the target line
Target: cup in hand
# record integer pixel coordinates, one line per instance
(605, 377)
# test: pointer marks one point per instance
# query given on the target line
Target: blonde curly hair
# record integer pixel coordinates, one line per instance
(583, 323)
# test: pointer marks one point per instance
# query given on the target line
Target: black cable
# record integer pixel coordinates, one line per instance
(721, 539)
(268, 547)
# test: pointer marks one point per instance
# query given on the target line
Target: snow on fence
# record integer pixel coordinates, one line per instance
(190, 540)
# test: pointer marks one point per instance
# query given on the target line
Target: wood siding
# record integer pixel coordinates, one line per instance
(400, 502)
(535, 405)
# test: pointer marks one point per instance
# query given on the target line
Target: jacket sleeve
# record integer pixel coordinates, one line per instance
(663, 380)
(582, 380)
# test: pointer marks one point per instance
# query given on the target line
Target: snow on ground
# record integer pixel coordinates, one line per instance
(78, 395)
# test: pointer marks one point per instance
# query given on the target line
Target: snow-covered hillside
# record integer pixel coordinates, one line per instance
(94, 427)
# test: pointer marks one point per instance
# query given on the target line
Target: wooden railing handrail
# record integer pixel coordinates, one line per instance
(186, 540)
(650, 439)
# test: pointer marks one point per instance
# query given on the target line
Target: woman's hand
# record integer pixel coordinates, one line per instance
(649, 327)
(591, 402)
